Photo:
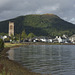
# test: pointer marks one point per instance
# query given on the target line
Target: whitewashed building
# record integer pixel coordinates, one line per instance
(72, 38)
(50, 40)
(4, 37)
(60, 39)
(43, 40)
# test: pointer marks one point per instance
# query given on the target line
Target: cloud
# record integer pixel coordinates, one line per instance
(72, 20)
(13, 8)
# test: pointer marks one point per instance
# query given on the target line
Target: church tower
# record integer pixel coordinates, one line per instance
(11, 28)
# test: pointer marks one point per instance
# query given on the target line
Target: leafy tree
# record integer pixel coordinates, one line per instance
(1, 45)
(31, 35)
(3, 34)
(23, 35)
(18, 37)
(12, 37)
(7, 39)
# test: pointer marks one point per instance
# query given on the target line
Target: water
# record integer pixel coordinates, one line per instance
(46, 59)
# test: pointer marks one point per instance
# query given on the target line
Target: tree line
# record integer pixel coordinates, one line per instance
(20, 37)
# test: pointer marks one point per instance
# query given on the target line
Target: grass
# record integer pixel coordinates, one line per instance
(11, 45)
(32, 43)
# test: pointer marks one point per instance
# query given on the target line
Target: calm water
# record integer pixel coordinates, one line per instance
(46, 59)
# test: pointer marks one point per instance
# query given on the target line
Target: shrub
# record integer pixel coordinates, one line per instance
(1, 45)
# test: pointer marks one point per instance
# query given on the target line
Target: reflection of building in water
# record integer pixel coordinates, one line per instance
(11, 28)
(11, 54)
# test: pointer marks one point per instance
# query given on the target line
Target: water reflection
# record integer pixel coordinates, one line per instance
(46, 59)
(11, 54)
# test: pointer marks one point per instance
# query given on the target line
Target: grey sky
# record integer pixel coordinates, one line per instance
(13, 8)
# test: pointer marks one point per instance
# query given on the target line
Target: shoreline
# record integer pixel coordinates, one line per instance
(15, 66)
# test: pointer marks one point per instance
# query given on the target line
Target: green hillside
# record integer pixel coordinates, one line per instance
(40, 25)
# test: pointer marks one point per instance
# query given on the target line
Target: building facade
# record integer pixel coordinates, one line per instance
(72, 38)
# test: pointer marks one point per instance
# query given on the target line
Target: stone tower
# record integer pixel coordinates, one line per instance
(11, 28)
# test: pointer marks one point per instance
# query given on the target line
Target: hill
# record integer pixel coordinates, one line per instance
(40, 25)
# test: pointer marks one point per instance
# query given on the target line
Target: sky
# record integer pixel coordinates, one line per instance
(65, 9)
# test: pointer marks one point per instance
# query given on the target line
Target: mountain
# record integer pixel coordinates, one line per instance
(40, 25)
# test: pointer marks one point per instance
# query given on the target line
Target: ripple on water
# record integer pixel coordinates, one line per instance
(46, 59)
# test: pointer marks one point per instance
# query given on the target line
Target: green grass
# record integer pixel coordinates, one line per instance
(11, 45)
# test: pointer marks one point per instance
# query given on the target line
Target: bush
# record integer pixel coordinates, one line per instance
(1, 45)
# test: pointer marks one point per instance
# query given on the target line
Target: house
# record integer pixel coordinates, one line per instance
(4, 37)
(35, 39)
(46, 39)
(65, 36)
(59, 39)
(55, 40)
(62, 39)
(42, 39)
(72, 38)
(65, 39)
(50, 40)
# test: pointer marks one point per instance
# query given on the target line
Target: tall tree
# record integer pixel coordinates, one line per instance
(23, 35)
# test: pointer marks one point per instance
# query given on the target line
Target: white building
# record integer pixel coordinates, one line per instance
(43, 40)
(72, 38)
(60, 39)
(4, 37)
(50, 40)
(64, 36)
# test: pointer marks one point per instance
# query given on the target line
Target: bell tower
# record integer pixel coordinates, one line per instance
(11, 28)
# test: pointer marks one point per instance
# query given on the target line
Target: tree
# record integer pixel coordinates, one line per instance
(7, 39)
(1, 45)
(31, 35)
(3, 34)
(12, 37)
(23, 35)
(18, 37)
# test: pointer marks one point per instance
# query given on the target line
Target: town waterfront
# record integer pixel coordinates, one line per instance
(46, 59)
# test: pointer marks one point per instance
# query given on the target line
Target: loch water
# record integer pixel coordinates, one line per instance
(46, 59)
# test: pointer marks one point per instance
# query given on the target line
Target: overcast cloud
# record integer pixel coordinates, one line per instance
(13, 8)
